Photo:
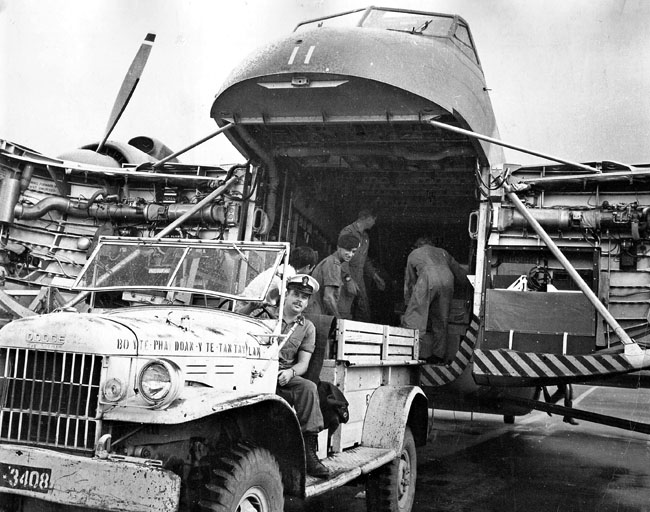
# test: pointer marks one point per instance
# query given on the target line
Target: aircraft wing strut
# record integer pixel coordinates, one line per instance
(603, 419)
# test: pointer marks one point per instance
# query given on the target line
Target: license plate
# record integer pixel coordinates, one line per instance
(26, 478)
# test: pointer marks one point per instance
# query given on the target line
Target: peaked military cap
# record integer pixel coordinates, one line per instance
(303, 283)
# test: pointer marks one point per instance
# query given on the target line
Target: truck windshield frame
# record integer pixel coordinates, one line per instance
(207, 267)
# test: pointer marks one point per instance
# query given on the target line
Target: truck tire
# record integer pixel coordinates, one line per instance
(391, 488)
(248, 478)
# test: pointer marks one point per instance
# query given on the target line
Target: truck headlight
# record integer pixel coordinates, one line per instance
(159, 382)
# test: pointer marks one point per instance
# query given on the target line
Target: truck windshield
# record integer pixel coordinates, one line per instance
(429, 24)
(211, 268)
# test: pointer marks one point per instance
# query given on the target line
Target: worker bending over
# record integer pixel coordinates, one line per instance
(428, 290)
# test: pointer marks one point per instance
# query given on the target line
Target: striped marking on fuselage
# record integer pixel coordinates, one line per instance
(439, 375)
(527, 365)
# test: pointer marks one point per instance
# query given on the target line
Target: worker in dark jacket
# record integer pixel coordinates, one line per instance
(428, 291)
(360, 266)
(332, 278)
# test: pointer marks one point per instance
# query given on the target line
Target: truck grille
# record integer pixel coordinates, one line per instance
(49, 398)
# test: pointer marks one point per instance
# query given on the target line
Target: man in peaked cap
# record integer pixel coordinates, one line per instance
(294, 360)
(303, 283)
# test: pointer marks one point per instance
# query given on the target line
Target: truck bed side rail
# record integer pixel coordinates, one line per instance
(361, 343)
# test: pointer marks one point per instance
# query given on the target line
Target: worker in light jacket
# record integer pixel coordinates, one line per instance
(428, 292)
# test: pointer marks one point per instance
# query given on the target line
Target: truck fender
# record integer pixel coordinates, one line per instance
(390, 409)
(194, 405)
(265, 419)
(272, 424)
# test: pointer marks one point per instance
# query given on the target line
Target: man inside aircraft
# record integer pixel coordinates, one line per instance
(360, 265)
(294, 359)
(428, 291)
(332, 277)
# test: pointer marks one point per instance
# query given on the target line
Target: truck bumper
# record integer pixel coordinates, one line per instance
(105, 484)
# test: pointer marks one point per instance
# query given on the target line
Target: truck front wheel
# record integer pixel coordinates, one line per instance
(392, 488)
(247, 479)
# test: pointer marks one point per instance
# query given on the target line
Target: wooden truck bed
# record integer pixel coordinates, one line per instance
(360, 358)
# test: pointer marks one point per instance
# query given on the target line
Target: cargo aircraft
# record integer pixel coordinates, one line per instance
(387, 109)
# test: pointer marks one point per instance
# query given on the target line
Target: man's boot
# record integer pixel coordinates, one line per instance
(569, 419)
(314, 466)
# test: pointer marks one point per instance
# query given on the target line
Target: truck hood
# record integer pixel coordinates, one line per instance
(158, 331)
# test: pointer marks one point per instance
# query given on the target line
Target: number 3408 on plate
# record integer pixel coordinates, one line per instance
(27, 478)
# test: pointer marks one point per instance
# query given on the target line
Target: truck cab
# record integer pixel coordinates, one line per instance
(163, 396)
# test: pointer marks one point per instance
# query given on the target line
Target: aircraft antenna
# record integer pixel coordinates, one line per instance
(129, 84)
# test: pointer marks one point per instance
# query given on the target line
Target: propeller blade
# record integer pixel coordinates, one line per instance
(128, 86)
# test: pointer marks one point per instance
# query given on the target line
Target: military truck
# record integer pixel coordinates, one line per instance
(161, 398)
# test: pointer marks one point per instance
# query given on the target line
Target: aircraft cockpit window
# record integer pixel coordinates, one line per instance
(349, 19)
(462, 35)
(434, 25)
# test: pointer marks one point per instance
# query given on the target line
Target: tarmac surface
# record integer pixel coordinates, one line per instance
(477, 463)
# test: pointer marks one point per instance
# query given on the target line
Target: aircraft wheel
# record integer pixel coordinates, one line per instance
(508, 419)
(391, 488)
(246, 479)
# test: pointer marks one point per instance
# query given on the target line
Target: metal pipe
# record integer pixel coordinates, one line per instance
(110, 211)
(198, 206)
(26, 177)
(475, 135)
(284, 202)
(602, 419)
(604, 177)
(186, 149)
(9, 194)
(591, 296)
(36, 211)
(481, 242)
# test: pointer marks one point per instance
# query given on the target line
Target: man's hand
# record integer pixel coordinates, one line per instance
(381, 285)
(285, 376)
(352, 287)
